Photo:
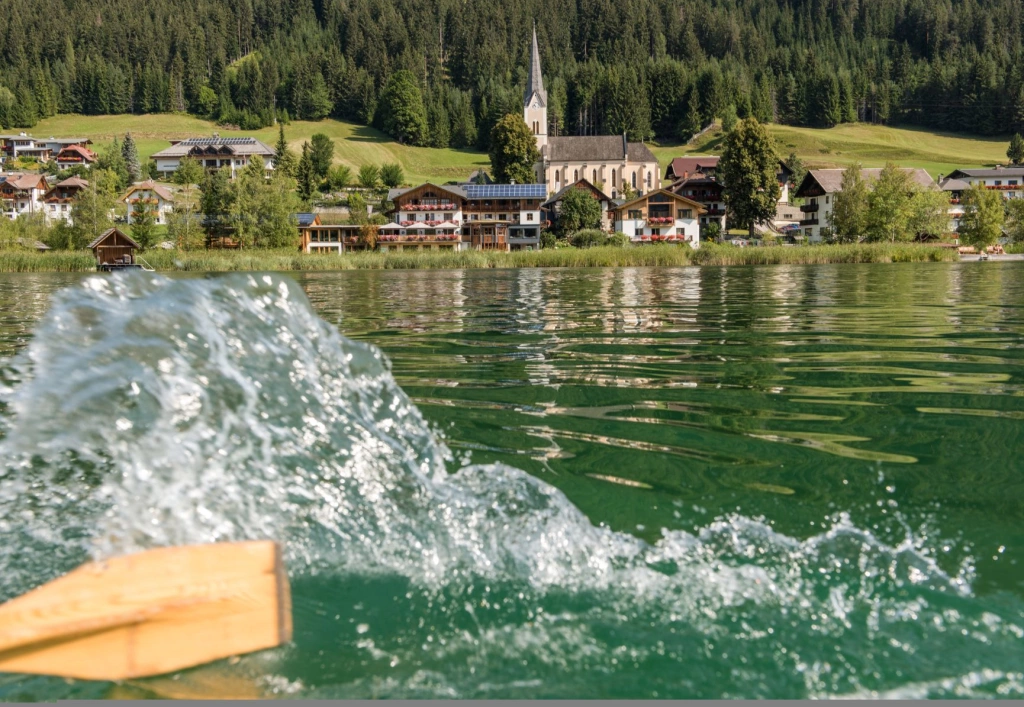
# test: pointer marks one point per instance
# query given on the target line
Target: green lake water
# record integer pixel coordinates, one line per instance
(785, 481)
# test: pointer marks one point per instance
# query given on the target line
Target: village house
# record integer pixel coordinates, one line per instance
(552, 207)
(466, 216)
(954, 189)
(42, 149)
(318, 237)
(1007, 180)
(214, 153)
(159, 198)
(57, 202)
(609, 162)
(660, 216)
(75, 155)
(22, 194)
(696, 177)
(820, 186)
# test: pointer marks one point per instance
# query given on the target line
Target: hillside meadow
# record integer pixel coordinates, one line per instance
(355, 145)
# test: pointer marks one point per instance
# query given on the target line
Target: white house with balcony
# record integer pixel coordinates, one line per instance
(215, 152)
(818, 190)
(660, 216)
(1009, 181)
(159, 198)
(22, 194)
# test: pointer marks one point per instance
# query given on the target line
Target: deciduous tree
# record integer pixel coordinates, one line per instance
(849, 207)
(391, 175)
(513, 150)
(749, 171)
(579, 210)
(983, 218)
(890, 206)
(369, 176)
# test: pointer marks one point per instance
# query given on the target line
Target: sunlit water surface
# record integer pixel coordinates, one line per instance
(717, 482)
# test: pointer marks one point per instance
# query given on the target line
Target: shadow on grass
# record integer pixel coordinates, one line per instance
(365, 133)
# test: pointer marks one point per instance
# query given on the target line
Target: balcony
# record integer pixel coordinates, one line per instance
(715, 212)
(809, 222)
(809, 208)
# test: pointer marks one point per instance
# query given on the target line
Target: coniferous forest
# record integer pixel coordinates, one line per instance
(442, 72)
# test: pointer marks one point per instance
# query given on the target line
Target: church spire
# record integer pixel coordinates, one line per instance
(535, 82)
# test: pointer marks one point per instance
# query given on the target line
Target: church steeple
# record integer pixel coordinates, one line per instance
(535, 98)
(535, 82)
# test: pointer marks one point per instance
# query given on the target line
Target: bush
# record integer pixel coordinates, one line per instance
(618, 240)
(588, 238)
(547, 239)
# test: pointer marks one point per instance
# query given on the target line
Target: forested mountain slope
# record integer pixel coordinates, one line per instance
(652, 68)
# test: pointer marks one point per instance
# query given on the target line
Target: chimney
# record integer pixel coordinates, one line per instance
(999, 166)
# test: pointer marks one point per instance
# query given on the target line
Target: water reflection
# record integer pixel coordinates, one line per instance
(784, 391)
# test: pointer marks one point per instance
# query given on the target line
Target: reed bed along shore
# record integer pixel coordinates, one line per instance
(643, 256)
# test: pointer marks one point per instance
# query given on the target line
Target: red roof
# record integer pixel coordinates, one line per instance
(84, 152)
(688, 166)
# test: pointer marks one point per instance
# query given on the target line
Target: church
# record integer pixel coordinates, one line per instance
(610, 162)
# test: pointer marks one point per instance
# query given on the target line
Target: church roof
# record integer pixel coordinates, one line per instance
(596, 148)
(535, 81)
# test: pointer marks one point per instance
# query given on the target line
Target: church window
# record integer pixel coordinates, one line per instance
(575, 175)
(613, 178)
(557, 178)
(634, 180)
(594, 179)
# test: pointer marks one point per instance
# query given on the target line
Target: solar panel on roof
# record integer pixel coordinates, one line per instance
(202, 141)
(506, 191)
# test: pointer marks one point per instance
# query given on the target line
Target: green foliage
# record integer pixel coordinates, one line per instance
(797, 166)
(369, 176)
(216, 201)
(588, 238)
(263, 212)
(143, 222)
(930, 213)
(890, 212)
(90, 212)
(402, 114)
(618, 240)
(206, 101)
(513, 150)
(1015, 220)
(983, 218)
(189, 172)
(547, 239)
(579, 210)
(748, 169)
(130, 153)
(356, 207)
(391, 175)
(1016, 150)
(321, 154)
(306, 180)
(849, 207)
(712, 231)
(729, 118)
(339, 177)
(284, 158)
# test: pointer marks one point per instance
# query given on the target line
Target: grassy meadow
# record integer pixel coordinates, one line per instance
(662, 255)
(355, 145)
(871, 145)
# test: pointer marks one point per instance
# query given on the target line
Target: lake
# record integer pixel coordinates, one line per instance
(777, 482)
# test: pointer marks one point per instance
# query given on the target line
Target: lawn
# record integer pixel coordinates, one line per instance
(871, 145)
(355, 145)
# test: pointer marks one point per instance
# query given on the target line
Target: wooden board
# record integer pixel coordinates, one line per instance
(150, 613)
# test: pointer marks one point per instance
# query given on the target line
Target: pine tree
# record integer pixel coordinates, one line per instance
(321, 154)
(284, 158)
(306, 175)
(402, 114)
(130, 153)
(1016, 150)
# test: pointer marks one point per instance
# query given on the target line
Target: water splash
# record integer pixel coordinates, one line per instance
(148, 412)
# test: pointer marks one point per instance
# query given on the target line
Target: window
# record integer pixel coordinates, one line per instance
(593, 179)
(826, 199)
(635, 214)
(999, 182)
(613, 181)
(1012, 182)
(575, 175)
(648, 180)
(684, 213)
(447, 217)
(529, 216)
(556, 175)
(634, 180)
(655, 231)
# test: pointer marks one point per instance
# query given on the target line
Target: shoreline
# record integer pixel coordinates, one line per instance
(12, 261)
